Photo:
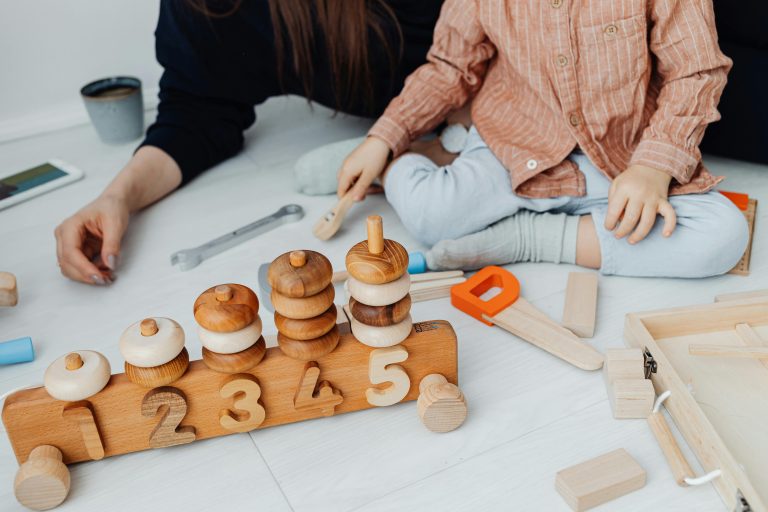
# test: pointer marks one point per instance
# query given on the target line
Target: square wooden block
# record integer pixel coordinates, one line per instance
(631, 398)
(623, 363)
(599, 480)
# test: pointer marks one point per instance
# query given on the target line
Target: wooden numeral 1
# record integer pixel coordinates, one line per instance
(381, 370)
(246, 392)
(82, 414)
(326, 398)
(168, 431)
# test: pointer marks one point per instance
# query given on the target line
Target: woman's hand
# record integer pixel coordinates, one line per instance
(88, 242)
(636, 196)
(362, 166)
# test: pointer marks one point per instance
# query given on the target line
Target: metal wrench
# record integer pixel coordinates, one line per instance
(190, 258)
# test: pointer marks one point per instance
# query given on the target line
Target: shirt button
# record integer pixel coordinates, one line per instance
(557, 3)
(532, 164)
(574, 119)
(611, 30)
(562, 60)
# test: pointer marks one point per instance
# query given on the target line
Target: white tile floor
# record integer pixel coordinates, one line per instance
(530, 414)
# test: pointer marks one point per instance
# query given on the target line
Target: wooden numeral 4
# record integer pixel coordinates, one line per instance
(171, 405)
(248, 412)
(310, 396)
(82, 414)
(381, 370)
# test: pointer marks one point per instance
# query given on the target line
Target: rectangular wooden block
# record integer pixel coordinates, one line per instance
(623, 363)
(631, 398)
(33, 418)
(599, 480)
(753, 294)
(580, 310)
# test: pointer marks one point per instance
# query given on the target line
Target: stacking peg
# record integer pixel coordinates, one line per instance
(230, 328)
(42, 482)
(442, 406)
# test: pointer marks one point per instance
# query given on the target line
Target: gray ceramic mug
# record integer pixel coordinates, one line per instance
(116, 108)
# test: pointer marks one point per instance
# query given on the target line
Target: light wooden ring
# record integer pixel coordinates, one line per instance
(239, 362)
(308, 329)
(226, 312)
(231, 342)
(309, 350)
(379, 294)
(380, 316)
(161, 375)
(306, 307)
(380, 337)
(149, 351)
(78, 384)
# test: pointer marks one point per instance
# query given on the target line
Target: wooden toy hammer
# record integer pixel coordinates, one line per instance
(513, 313)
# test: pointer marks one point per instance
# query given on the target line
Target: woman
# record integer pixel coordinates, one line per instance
(220, 59)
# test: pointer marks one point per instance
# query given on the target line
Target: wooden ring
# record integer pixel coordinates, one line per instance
(231, 342)
(305, 280)
(307, 307)
(309, 350)
(380, 316)
(80, 383)
(231, 308)
(385, 267)
(380, 337)
(379, 294)
(308, 329)
(239, 362)
(161, 375)
(149, 351)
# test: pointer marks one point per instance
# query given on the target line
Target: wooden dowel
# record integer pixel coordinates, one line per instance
(223, 293)
(675, 458)
(728, 351)
(298, 258)
(375, 234)
(148, 327)
(73, 361)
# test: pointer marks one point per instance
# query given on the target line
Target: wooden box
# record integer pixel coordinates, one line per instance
(719, 404)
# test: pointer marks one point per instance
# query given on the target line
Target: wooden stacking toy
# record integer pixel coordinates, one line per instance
(230, 328)
(379, 286)
(77, 376)
(43, 481)
(302, 294)
(154, 352)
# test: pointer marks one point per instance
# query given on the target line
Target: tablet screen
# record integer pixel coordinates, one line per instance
(29, 179)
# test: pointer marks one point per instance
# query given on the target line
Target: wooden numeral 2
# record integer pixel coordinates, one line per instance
(82, 414)
(381, 369)
(246, 392)
(171, 405)
(326, 399)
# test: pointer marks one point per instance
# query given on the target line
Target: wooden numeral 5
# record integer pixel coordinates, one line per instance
(381, 369)
(174, 407)
(246, 392)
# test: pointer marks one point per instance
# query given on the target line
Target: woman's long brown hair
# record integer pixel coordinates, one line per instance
(346, 26)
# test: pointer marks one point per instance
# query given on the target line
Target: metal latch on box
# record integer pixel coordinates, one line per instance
(649, 363)
(742, 505)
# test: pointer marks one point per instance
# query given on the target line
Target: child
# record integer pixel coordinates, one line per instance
(589, 110)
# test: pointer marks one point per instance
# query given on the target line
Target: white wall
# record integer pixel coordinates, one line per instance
(50, 48)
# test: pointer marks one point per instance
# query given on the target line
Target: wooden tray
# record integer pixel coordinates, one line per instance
(720, 405)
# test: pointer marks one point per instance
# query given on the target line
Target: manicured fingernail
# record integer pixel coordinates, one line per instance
(97, 279)
(112, 261)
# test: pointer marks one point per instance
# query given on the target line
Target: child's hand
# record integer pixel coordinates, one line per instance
(635, 197)
(362, 166)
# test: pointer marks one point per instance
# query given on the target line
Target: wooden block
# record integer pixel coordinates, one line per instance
(753, 294)
(442, 406)
(162, 375)
(434, 289)
(43, 481)
(309, 328)
(580, 310)
(698, 349)
(376, 260)
(623, 363)
(631, 398)
(32, 418)
(226, 308)
(309, 350)
(170, 406)
(380, 316)
(382, 370)
(238, 362)
(9, 294)
(599, 480)
(305, 307)
(311, 395)
(81, 413)
(298, 274)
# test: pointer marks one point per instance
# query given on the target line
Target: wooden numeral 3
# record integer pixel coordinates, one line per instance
(326, 398)
(82, 414)
(248, 412)
(381, 369)
(171, 405)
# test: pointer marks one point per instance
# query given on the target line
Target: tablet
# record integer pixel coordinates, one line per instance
(20, 186)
